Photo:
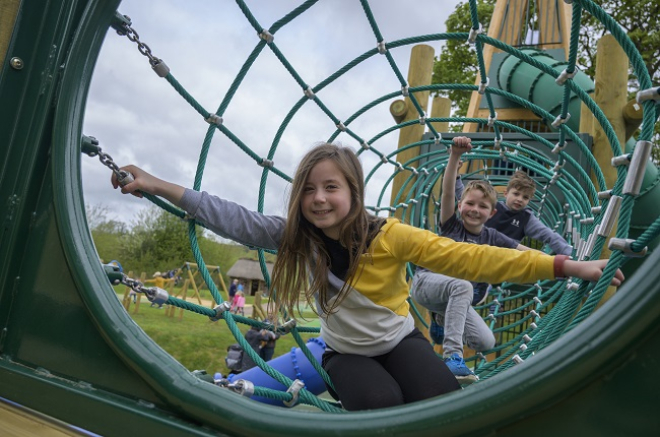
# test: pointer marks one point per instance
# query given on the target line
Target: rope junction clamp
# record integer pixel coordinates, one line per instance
(243, 387)
(309, 93)
(620, 160)
(214, 119)
(625, 246)
(559, 120)
(558, 165)
(219, 311)
(588, 247)
(483, 86)
(160, 68)
(288, 326)
(472, 37)
(365, 145)
(604, 195)
(156, 295)
(295, 388)
(405, 91)
(382, 48)
(564, 76)
(492, 119)
(637, 168)
(384, 159)
(611, 213)
(497, 143)
(648, 94)
(559, 147)
(341, 126)
(572, 286)
(266, 36)
(266, 163)
(516, 359)
(595, 210)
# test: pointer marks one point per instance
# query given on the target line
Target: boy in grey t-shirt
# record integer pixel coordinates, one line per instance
(450, 298)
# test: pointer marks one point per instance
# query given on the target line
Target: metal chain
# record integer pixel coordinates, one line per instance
(136, 285)
(108, 162)
(91, 148)
(132, 35)
(139, 287)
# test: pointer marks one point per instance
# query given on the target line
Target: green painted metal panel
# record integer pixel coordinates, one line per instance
(69, 349)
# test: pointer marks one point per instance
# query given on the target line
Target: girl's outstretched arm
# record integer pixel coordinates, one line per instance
(590, 270)
(147, 183)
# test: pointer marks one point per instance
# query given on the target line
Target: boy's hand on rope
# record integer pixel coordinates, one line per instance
(461, 145)
(591, 271)
(147, 183)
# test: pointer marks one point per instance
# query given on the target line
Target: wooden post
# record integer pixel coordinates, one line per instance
(611, 95)
(506, 25)
(441, 109)
(419, 73)
(8, 13)
(632, 113)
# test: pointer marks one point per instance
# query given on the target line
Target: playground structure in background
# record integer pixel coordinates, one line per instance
(189, 274)
(91, 357)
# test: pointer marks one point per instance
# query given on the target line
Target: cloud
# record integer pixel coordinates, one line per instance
(140, 119)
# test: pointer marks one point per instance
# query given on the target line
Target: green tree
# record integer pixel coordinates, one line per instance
(457, 62)
(158, 241)
(105, 232)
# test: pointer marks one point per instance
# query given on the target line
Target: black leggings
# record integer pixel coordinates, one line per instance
(410, 372)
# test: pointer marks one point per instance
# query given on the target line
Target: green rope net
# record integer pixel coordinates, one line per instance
(525, 319)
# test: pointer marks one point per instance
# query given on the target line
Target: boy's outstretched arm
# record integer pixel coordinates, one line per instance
(459, 147)
(147, 183)
(537, 230)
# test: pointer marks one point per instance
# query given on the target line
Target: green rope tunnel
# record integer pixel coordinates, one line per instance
(535, 325)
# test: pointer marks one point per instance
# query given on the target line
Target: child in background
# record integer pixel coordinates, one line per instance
(353, 266)
(514, 219)
(238, 304)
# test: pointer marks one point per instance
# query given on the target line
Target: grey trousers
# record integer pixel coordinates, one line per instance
(451, 299)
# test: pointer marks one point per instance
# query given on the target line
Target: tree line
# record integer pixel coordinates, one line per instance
(158, 241)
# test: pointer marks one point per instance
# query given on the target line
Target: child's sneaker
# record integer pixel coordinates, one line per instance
(436, 331)
(480, 296)
(457, 366)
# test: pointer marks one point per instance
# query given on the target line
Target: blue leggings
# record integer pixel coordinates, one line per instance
(410, 372)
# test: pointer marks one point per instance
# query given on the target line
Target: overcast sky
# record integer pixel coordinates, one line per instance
(140, 119)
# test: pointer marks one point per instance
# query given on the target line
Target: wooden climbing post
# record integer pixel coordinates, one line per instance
(419, 74)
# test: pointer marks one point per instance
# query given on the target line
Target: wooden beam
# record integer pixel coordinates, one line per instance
(419, 74)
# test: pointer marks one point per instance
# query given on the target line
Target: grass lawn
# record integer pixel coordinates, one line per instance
(195, 341)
